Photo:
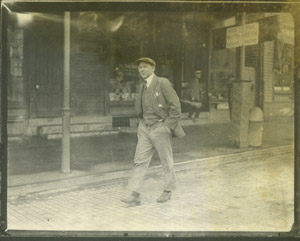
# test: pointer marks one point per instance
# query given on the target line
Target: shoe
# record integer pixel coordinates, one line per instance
(165, 196)
(132, 200)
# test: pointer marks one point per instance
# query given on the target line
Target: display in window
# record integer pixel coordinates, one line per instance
(120, 89)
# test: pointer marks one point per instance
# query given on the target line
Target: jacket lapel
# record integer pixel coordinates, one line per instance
(154, 82)
(138, 102)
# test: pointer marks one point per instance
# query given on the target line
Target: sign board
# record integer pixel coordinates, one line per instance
(234, 37)
(242, 35)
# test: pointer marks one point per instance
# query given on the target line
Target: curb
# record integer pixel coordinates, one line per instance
(83, 180)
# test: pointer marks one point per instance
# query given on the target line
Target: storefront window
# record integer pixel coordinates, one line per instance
(222, 72)
(283, 66)
(123, 86)
(16, 86)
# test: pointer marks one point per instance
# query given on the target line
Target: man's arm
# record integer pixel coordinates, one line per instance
(173, 103)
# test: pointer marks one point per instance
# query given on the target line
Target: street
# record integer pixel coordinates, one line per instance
(250, 192)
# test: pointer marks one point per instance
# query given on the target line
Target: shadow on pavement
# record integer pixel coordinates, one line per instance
(115, 152)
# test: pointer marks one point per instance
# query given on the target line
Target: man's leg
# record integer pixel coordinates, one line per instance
(162, 140)
(191, 111)
(197, 112)
(143, 154)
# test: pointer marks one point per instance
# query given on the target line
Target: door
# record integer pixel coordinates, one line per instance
(43, 60)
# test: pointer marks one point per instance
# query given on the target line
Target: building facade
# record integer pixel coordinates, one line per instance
(104, 46)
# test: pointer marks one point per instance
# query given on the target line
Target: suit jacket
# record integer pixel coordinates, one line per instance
(165, 103)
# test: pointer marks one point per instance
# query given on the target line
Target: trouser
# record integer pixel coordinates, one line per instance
(195, 110)
(157, 137)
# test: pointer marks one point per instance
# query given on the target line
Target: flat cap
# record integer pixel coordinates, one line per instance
(198, 71)
(146, 60)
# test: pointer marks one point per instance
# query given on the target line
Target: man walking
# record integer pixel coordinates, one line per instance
(197, 89)
(159, 110)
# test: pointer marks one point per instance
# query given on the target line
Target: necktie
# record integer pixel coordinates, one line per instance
(144, 87)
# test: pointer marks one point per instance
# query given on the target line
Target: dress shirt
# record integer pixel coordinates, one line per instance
(149, 80)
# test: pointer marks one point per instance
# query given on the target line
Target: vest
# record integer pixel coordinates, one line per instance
(147, 105)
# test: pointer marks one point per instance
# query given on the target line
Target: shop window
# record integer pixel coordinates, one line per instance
(16, 83)
(283, 67)
(124, 77)
(223, 69)
(123, 84)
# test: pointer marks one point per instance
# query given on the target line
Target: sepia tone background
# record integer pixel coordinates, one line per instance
(218, 152)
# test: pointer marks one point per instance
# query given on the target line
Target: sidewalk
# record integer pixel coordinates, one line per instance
(220, 188)
(251, 191)
(35, 163)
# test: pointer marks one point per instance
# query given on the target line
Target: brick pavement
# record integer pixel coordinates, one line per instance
(252, 194)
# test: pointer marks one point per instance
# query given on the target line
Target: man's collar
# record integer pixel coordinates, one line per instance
(149, 79)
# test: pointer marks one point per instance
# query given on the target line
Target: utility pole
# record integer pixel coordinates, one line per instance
(241, 95)
(296, 226)
(66, 97)
(210, 47)
(4, 113)
(242, 51)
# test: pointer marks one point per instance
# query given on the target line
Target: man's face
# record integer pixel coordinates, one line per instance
(145, 70)
(198, 75)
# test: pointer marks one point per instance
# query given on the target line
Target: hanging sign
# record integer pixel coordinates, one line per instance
(242, 35)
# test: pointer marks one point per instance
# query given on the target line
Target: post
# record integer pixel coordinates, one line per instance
(241, 99)
(210, 48)
(296, 226)
(3, 144)
(242, 51)
(66, 98)
(183, 35)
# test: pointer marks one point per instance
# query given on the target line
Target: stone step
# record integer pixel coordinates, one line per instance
(73, 120)
(81, 134)
(88, 129)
